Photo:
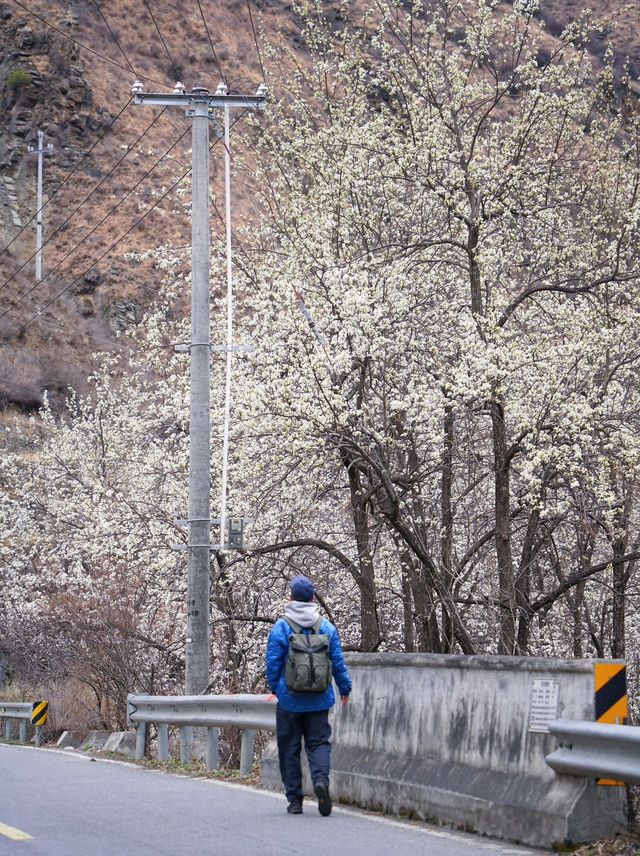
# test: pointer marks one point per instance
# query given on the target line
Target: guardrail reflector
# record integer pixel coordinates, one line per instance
(612, 706)
(40, 712)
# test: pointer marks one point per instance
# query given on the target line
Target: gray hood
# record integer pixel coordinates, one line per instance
(303, 613)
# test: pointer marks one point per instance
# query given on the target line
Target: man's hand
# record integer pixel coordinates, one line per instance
(270, 697)
(344, 699)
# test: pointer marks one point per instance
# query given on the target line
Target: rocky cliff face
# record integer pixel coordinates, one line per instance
(43, 88)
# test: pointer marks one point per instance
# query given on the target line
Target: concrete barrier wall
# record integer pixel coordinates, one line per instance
(447, 738)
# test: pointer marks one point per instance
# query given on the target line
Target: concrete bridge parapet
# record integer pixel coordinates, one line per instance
(462, 740)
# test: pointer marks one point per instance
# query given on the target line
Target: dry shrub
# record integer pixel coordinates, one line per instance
(72, 706)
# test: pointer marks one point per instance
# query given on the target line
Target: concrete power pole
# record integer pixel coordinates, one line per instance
(41, 151)
(200, 105)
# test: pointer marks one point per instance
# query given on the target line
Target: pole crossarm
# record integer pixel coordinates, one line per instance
(179, 99)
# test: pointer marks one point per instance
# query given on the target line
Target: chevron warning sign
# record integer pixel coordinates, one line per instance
(610, 684)
(39, 712)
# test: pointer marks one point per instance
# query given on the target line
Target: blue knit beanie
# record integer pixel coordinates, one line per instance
(302, 589)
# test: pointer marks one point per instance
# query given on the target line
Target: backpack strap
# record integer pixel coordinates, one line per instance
(292, 625)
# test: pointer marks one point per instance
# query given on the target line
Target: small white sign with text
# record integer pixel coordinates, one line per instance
(544, 704)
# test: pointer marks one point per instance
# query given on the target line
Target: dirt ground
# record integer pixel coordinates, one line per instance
(622, 846)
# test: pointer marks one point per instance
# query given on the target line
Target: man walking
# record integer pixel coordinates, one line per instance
(303, 654)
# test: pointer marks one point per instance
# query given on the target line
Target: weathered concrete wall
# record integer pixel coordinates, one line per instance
(447, 738)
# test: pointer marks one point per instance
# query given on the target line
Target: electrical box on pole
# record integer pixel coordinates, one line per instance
(235, 534)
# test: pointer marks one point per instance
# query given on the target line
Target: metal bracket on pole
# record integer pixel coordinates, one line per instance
(190, 546)
(236, 349)
(234, 533)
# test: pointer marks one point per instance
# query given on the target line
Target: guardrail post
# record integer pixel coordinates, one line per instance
(246, 752)
(186, 734)
(163, 742)
(38, 735)
(8, 729)
(213, 741)
(23, 730)
(141, 733)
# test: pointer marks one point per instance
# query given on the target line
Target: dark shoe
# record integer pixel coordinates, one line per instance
(324, 800)
(295, 807)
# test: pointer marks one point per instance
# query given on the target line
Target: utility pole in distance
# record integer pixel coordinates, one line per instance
(199, 105)
(41, 151)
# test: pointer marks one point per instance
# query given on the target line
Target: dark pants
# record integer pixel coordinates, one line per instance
(291, 728)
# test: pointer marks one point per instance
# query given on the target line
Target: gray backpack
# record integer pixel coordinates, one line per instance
(308, 668)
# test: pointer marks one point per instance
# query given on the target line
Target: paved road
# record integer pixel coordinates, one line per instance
(72, 806)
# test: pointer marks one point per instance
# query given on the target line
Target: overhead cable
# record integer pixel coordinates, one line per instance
(76, 209)
(67, 176)
(82, 45)
(95, 228)
(120, 239)
(155, 24)
(115, 39)
(255, 39)
(213, 50)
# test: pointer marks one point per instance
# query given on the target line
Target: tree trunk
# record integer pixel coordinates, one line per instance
(370, 629)
(506, 592)
(407, 613)
(427, 634)
(619, 585)
(523, 584)
(446, 512)
(576, 608)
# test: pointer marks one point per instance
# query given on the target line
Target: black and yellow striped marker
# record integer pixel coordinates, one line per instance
(39, 712)
(612, 706)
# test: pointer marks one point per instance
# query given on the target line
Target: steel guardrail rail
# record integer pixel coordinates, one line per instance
(15, 710)
(249, 713)
(242, 711)
(593, 749)
(22, 711)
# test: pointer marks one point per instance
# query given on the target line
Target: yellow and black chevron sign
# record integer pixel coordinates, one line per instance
(39, 712)
(610, 682)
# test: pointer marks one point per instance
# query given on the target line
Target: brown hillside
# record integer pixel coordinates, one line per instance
(74, 93)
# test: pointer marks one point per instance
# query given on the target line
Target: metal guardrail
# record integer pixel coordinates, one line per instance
(592, 749)
(250, 713)
(22, 711)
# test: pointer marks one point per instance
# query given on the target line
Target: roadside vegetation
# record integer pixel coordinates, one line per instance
(450, 449)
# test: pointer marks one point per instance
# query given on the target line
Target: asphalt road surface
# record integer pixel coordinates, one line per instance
(55, 803)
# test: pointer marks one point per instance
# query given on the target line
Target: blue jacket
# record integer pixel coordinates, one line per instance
(277, 650)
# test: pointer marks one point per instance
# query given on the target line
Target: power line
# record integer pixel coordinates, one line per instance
(73, 213)
(121, 238)
(114, 341)
(95, 228)
(80, 44)
(67, 176)
(113, 36)
(213, 50)
(173, 65)
(255, 39)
